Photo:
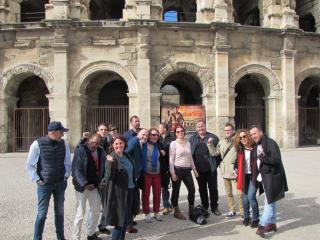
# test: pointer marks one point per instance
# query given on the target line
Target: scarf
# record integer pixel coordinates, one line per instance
(154, 156)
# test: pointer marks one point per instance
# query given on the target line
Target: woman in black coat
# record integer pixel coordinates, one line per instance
(120, 183)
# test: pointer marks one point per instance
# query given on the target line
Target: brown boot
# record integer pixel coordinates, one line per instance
(177, 214)
(191, 208)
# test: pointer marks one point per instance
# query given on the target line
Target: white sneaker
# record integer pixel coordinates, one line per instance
(147, 218)
(157, 217)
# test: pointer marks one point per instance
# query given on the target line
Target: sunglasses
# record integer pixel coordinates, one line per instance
(243, 137)
(180, 131)
(154, 134)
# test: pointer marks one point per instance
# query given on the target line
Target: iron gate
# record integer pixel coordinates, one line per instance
(28, 125)
(250, 115)
(309, 125)
(117, 115)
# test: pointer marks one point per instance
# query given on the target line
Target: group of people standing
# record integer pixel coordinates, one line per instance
(115, 173)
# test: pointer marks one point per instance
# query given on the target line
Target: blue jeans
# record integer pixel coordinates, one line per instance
(269, 213)
(249, 199)
(44, 194)
(119, 232)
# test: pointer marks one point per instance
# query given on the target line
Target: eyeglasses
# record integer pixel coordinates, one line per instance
(243, 137)
(154, 134)
(180, 131)
(114, 129)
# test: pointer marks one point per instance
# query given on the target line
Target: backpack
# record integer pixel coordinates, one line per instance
(199, 215)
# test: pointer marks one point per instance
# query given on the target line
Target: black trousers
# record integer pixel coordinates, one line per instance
(208, 180)
(183, 174)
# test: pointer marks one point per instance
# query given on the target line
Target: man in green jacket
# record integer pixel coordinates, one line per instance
(226, 150)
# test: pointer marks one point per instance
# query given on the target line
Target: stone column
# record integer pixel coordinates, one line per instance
(59, 111)
(221, 60)
(144, 77)
(57, 10)
(289, 108)
(289, 17)
(10, 11)
(214, 11)
(7, 104)
(79, 10)
(155, 109)
(273, 119)
(209, 102)
(143, 9)
(205, 11)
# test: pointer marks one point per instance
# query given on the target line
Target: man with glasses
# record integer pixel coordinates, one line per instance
(206, 166)
(228, 153)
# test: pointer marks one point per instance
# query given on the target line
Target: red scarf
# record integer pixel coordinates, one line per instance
(240, 158)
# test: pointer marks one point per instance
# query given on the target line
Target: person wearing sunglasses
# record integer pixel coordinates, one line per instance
(181, 164)
(246, 171)
(151, 154)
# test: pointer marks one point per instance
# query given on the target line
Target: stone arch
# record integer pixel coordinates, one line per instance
(202, 75)
(11, 79)
(273, 85)
(308, 72)
(82, 78)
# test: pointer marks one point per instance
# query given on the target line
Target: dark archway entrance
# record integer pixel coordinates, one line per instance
(247, 12)
(179, 10)
(249, 105)
(107, 102)
(33, 10)
(309, 119)
(31, 115)
(106, 9)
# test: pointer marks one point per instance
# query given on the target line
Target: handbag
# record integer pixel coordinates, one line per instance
(140, 182)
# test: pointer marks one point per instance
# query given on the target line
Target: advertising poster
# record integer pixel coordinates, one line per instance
(185, 115)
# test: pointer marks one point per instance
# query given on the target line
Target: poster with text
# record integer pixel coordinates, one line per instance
(185, 115)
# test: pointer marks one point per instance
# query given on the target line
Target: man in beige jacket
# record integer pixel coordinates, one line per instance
(226, 150)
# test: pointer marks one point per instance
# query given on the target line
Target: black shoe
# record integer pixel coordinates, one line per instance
(216, 212)
(104, 231)
(254, 224)
(94, 237)
(246, 221)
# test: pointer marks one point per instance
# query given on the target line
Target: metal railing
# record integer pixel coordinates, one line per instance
(249, 115)
(117, 115)
(28, 125)
(309, 125)
(32, 16)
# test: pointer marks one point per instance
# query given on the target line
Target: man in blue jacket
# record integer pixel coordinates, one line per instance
(206, 166)
(88, 167)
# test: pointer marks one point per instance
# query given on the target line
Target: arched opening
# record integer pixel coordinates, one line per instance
(179, 10)
(31, 114)
(180, 93)
(249, 102)
(33, 10)
(309, 114)
(307, 23)
(106, 9)
(247, 12)
(107, 102)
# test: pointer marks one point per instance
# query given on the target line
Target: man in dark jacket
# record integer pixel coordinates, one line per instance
(165, 139)
(272, 179)
(135, 128)
(88, 168)
(49, 165)
(206, 166)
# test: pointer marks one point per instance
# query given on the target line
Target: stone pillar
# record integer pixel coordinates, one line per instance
(221, 73)
(79, 10)
(77, 116)
(57, 10)
(10, 11)
(214, 11)
(273, 119)
(155, 109)
(59, 111)
(289, 108)
(7, 104)
(143, 9)
(209, 102)
(289, 17)
(144, 77)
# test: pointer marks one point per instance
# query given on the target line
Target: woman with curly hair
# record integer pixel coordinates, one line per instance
(246, 169)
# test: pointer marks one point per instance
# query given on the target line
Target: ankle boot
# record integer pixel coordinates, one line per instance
(191, 208)
(177, 214)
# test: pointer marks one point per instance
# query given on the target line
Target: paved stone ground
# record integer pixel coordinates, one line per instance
(298, 213)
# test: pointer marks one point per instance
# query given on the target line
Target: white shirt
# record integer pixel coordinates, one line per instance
(259, 151)
(247, 169)
(33, 158)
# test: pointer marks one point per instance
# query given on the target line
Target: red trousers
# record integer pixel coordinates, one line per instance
(153, 181)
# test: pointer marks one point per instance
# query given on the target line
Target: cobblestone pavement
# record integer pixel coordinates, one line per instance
(298, 213)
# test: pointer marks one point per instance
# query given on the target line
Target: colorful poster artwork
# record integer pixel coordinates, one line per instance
(185, 115)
